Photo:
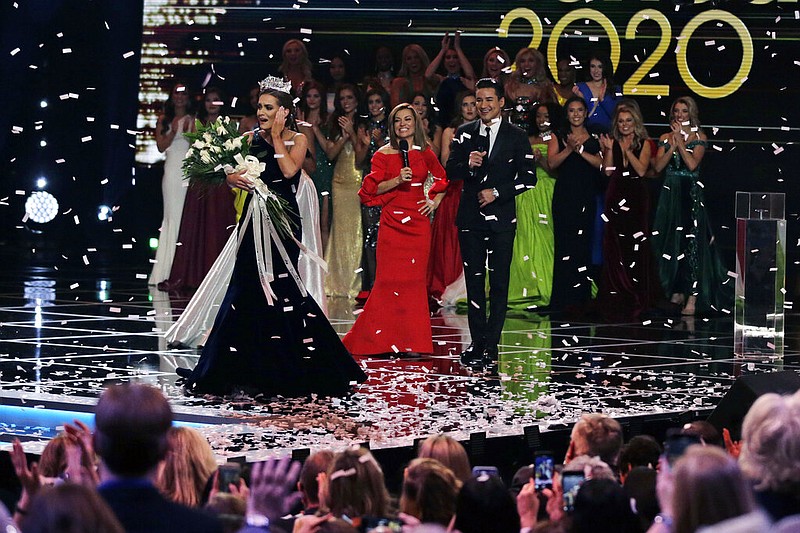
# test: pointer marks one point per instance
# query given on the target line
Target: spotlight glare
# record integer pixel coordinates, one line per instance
(41, 182)
(41, 207)
(43, 104)
(103, 212)
(42, 143)
(153, 243)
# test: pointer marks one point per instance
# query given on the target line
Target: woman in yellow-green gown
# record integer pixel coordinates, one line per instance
(531, 276)
(345, 243)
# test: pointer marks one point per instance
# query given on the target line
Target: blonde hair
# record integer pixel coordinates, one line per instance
(602, 435)
(694, 113)
(448, 452)
(770, 453)
(423, 56)
(189, 463)
(708, 488)
(639, 131)
(420, 138)
(540, 74)
(305, 63)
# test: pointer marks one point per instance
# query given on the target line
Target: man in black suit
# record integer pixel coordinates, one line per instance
(494, 159)
(130, 438)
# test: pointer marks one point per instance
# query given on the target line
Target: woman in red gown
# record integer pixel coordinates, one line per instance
(395, 318)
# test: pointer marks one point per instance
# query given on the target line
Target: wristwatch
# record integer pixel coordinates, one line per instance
(495, 193)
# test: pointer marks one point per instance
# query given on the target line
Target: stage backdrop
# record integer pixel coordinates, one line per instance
(738, 59)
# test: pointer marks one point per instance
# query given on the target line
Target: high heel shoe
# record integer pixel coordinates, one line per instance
(689, 308)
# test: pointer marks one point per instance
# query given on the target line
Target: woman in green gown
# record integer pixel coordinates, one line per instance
(531, 280)
(691, 271)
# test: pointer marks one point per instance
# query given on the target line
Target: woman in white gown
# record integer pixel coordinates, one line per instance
(177, 119)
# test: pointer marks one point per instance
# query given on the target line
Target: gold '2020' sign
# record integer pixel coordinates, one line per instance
(634, 84)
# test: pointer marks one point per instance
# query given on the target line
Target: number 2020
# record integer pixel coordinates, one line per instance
(633, 85)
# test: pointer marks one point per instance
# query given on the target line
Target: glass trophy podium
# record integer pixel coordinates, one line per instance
(760, 275)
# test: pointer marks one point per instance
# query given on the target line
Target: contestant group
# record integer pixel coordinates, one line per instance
(426, 186)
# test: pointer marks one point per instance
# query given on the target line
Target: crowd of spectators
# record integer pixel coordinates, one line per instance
(136, 472)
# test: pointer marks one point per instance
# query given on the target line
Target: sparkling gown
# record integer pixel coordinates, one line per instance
(322, 177)
(288, 348)
(531, 276)
(629, 282)
(345, 242)
(683, 241)
(396, 317)
(173, 190)
(371, 214)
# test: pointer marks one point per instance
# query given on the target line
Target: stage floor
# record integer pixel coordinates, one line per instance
(65, 336)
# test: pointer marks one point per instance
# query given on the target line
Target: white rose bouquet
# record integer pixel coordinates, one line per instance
(213, 147)
(218, 148)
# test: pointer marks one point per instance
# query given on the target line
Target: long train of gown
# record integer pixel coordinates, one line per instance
(173, 190)
(288, 348)
(194, 324)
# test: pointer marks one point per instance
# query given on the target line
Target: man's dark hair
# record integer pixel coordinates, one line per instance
(641, 450)
(131, 423)
(489, 83)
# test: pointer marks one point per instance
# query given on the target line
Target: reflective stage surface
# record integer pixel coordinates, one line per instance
(64, 337)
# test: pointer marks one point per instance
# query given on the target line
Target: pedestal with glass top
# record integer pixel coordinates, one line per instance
(761, 275)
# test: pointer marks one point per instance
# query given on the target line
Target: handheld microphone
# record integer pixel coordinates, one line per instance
(404, 152)
(481, 143)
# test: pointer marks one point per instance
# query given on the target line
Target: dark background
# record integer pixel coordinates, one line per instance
(744, 127)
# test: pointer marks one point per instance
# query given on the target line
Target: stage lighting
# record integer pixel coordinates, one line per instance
(42, 143)
(41, 207)
(41, 182)
(103, 212)
(153, 243)
(43, 104)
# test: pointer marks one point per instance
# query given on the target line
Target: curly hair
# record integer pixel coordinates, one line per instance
(770, 453)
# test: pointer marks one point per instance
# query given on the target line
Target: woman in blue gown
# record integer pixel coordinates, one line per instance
(287, 346)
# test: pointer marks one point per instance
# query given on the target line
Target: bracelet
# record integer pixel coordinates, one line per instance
(20, 510)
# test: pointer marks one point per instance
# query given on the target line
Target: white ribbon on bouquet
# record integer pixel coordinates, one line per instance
(251, 168)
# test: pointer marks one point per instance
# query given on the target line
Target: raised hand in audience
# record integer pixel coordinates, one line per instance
(28, 478)
(80, 455)
(734, 448)
(528, 504)
(272, 493)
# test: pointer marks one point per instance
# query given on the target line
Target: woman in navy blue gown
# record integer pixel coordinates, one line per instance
(287, 347)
